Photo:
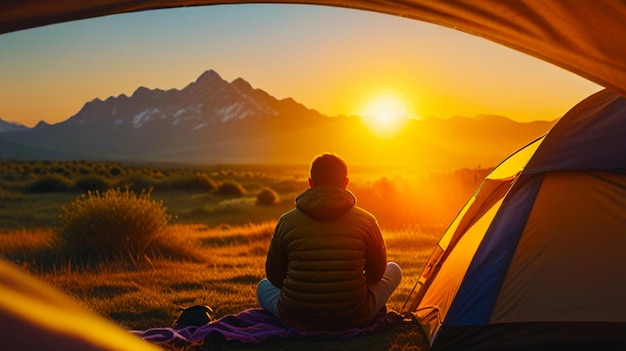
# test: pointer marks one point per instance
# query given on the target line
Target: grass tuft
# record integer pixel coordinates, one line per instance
(112, 225)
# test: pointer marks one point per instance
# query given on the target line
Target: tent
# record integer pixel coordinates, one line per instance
(33, 316)
(535, 258)
(584, 37)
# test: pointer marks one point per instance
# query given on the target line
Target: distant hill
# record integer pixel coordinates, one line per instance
(7, 127)
(215, 121)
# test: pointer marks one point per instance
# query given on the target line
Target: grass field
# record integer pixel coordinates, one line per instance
(226, 264)
(221, 243)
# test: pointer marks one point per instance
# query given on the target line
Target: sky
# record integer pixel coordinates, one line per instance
(330, 59)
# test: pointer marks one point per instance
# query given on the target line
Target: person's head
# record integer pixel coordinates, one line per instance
(329, 169)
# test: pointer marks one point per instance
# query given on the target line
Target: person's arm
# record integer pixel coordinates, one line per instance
(276, 261)
(375, 257)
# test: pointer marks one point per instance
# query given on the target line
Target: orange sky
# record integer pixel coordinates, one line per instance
(334, 60)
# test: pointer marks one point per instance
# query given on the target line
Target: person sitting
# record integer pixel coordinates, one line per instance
(326, 267)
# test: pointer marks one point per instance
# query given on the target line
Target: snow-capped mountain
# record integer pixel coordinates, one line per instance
(212, 120)
(208, 100)
(209, 116)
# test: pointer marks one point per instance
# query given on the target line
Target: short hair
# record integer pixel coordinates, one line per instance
(329, 169)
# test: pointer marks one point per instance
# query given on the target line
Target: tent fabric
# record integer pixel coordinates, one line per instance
(540, 276)
(467, 228)
(474, 302)
(34, 316)
(543, 267)
(593, 138)
(584, 37)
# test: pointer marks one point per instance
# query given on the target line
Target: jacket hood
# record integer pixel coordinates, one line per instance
(323, 202)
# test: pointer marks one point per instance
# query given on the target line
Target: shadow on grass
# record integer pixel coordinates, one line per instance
(141, 319)
(108, 291)
(188, 286)
(247, 279)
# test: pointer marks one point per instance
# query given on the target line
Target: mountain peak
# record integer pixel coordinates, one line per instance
(241, 84)
(41, 124)
(208, 79)
(209, 76)
(141, 91)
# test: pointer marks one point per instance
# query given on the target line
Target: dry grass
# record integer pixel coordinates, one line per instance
(215, 253)
(227, 263)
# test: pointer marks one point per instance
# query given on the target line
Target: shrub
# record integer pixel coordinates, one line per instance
(236, 205)
(115, 171)
(49, 184)
(114, 224)
(93, 182)
(60, 169)
(230, 188)
(267, 196)
(193, 182)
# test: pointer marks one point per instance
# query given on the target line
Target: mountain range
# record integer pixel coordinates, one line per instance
(212, 120)
(8, 127)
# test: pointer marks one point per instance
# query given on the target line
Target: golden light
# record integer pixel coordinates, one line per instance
(385, 115)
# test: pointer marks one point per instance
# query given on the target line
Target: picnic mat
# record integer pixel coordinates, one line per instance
(254, 326)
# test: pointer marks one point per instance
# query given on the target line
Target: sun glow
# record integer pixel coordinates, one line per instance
(385, 115)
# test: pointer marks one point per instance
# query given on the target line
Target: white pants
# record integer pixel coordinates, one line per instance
(267, 294)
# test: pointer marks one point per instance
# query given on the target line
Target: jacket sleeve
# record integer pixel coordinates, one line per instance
(376, 256)
(276, 261)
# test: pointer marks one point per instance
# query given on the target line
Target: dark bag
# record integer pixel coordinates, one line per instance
(197, 316)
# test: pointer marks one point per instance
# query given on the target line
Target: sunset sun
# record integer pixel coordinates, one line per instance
(385, 115)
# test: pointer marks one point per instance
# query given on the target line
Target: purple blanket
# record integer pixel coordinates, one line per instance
(252, 326)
